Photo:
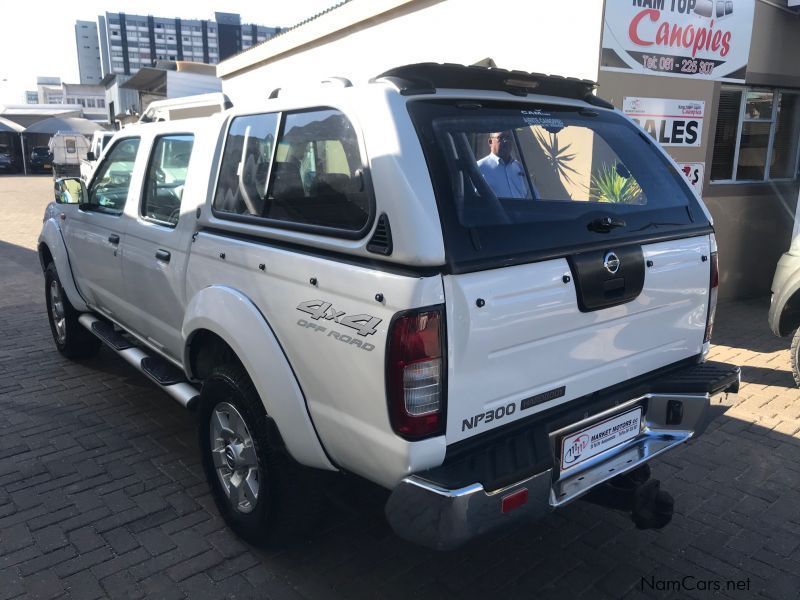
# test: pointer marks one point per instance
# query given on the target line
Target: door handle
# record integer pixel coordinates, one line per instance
(163, 255)
(113, 238)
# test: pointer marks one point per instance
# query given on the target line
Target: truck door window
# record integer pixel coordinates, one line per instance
(166, 175)
(109, 188)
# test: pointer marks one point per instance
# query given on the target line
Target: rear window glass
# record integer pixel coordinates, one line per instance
(514, 180)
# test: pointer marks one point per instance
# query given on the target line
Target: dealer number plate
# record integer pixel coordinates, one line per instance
(591, 441)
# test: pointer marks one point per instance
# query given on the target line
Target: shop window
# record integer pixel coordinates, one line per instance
(757, 135)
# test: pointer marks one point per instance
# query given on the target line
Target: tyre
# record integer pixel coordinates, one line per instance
(71, 338)
(244, 466)
(795, 350)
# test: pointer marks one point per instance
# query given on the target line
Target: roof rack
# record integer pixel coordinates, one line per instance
(425, 78)
(340, 82)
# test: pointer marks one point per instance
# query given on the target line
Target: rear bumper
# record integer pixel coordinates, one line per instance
(423, 510)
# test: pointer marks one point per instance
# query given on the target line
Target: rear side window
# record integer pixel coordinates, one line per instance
(311, 178)
(518, 181)
(242, 184)
(165, 179)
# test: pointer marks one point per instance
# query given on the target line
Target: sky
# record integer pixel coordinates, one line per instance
(37, 38)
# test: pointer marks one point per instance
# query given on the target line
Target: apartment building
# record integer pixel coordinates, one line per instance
(49, 91)
(90, 98)
(88, 46)
(129, 42)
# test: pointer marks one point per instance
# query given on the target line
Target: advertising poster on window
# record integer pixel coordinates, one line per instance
(694, 173)
(670, 122)
(699, 39)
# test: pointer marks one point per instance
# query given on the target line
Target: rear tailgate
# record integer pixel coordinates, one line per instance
(519, 340)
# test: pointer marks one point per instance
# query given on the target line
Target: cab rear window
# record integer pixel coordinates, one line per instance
(517, 181)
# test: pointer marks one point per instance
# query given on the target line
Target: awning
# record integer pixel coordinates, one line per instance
(147, 79)
(70, 124)
(7, 126)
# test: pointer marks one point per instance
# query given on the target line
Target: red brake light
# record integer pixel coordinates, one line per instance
(712, 297)
(415, 373)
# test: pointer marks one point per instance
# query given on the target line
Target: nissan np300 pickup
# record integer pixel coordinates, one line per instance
(486, 291)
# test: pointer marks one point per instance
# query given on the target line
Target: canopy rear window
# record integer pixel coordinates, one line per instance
(519, 181)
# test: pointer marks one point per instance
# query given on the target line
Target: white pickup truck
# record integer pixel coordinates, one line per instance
(486, 291)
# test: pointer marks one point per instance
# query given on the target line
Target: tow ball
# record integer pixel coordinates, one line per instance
(650, 507)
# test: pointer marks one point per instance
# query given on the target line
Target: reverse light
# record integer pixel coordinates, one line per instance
(712, 296)
(415, 373)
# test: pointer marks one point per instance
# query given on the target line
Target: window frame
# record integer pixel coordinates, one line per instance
(323, 230)
(777, 93)
(146, 179)
(90, 206)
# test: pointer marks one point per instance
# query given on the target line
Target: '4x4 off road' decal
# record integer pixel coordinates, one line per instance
(319, 309)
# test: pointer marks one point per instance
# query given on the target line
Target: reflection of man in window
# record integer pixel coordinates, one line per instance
(504, 175)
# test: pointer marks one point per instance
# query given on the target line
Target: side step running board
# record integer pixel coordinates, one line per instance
(167, 376)
(106, 332)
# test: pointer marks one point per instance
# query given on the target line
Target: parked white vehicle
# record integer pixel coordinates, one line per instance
(100, 140)
(784, 307)
(329, 279)
(68, 150)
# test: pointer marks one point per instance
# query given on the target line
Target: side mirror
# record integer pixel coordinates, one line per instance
(90, 156)
(70, 190)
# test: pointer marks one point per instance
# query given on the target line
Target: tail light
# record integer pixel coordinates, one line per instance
(415, 373)
(712, 295)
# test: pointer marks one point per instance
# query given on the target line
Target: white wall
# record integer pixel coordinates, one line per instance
(560, 38)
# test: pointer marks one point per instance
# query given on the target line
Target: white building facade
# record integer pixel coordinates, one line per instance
(88, 47)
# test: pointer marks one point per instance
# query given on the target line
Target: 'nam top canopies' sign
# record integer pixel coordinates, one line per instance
(700, 39)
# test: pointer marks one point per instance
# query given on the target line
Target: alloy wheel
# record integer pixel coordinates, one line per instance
(234, 456)
(57, 312)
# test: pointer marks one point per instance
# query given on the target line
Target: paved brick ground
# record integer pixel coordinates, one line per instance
(101, 494)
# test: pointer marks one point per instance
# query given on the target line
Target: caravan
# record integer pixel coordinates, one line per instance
(67, 149)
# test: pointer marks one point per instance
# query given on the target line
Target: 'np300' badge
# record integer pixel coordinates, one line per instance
(611, 263)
